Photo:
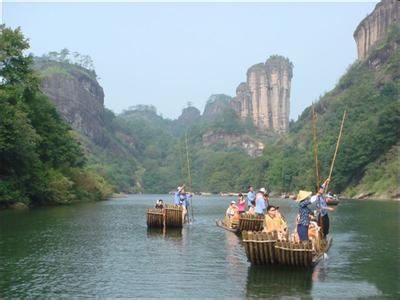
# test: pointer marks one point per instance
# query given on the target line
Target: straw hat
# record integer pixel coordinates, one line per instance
(263, 190)
(302, 195)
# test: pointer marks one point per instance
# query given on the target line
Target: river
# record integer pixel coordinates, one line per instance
(104, 249)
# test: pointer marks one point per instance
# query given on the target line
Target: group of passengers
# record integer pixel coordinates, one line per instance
(307, 224)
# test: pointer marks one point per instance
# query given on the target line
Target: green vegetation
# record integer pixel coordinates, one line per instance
(40, 160)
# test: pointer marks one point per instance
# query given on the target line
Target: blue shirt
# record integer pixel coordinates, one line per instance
(322, 206)
(304, 212)
(250, 197)
(260, 206)
(180, 199)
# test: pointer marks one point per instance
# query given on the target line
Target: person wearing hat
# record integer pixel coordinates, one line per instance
(303, 198)
(232, 209)
(323, 208)
(274, 221)
(260, 204)
(182, 199)
(251, 195)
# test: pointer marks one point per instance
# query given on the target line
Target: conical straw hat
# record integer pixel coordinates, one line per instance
(302, 195)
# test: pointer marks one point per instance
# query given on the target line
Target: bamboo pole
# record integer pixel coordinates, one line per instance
(336, 150)
(314, 123)
(189, 175)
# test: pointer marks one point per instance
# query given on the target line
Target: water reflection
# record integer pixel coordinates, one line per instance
(171, 233)
(276, 281)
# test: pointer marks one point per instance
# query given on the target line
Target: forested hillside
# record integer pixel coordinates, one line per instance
(41, 161)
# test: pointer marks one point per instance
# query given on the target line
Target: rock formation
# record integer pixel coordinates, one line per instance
(190, 115)
(252, 146)
(216, 105)
(265, 97)
(77, 96)
(375, 26)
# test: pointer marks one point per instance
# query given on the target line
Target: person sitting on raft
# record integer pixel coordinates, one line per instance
(182, 199)
(252, 209)
(160, 204)
(303, 198)
(232, 213)
(232, 209)
(241, 204)
(274, 222)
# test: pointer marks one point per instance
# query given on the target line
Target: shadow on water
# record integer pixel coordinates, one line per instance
(276, 281)
(172, 233)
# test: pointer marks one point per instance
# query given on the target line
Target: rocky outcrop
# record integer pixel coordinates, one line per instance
(77, 96)
(265, 97)
(375, 26)
(190, 115)
(216, 105)
(253, 147)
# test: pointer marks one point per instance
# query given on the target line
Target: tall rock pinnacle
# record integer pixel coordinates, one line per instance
(265, 97)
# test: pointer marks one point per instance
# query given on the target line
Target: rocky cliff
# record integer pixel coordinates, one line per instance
(375, 26)
(77, 95)
(190, 115)
(265, 96)
(252, 146)
(216, 105)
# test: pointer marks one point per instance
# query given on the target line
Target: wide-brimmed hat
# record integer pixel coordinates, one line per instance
(302, 195)
(233, 202)
(263, 190)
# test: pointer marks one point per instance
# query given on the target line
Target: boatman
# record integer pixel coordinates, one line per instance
(182, 199)
(251, 195)
(322, 208)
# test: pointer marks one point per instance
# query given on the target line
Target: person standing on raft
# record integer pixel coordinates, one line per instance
(303, 198)
(322, 208)
(182, 199)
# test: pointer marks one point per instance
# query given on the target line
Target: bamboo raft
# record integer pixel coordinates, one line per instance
(251, 223)
(155, 218)
(169, 217)
(265, 249)
(222, 224)
(173, 216)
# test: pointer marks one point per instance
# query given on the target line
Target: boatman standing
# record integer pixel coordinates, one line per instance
(322, 208)
(182, 199)
(251, 195)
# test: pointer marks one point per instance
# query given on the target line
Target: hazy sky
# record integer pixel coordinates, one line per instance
(169, 54)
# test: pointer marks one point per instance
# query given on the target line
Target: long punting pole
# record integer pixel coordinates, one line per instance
(189, 175)
(337, 147)
(314, 123)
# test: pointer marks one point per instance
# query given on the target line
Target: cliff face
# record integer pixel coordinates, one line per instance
(375, 26)
(265, 97)
(190, 115)
(216, 105)
(252, 146)
(77, 95)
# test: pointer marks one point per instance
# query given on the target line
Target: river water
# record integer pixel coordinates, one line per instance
(104, 249)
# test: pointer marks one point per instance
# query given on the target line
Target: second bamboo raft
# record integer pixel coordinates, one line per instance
(265, 249)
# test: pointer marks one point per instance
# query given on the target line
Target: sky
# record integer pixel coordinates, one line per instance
(169, 54)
